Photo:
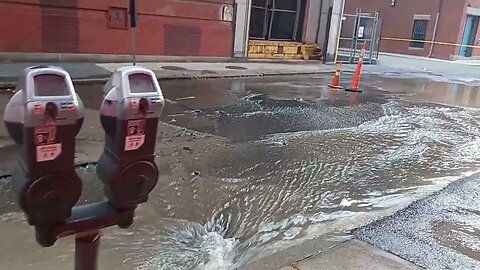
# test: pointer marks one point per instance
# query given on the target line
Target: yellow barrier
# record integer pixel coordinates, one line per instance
(261, 49)
(431, 42)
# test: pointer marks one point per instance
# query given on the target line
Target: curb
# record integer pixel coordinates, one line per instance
(182, 76)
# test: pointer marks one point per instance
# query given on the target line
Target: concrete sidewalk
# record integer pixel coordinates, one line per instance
(332, 252)
(424, 64)
(91, 72)
(353, 254)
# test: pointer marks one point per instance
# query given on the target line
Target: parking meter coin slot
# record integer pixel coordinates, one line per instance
(51, 113)
(143, 107)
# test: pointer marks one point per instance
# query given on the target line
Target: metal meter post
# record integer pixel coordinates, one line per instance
(133, 26)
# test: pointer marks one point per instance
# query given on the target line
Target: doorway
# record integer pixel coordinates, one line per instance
(277, 19)
(469, 35)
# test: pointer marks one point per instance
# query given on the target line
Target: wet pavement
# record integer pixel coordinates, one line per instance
(440, 232)
(254, 108)
(253, 166)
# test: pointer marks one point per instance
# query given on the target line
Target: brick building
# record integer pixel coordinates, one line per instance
(206, 28)
(448, 23)
(166, 27)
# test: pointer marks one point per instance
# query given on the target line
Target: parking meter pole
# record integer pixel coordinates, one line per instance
(133, 27)
(134, 46)
(86, 251)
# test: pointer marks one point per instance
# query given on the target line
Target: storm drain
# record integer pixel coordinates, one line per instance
(175, 68)
(235, 67)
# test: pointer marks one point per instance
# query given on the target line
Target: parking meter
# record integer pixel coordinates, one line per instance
(43, 118)
(129, 115)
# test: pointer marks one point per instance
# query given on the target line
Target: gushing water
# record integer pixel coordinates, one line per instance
(281, 189)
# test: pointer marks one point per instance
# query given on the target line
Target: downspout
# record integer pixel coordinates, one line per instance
(317, 36)
(435, 29)
(327, 34)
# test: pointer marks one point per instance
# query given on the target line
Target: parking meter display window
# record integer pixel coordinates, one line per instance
(50, 85)
(141, 83)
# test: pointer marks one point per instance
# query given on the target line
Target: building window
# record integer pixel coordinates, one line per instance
(117, 18)
(419, 33)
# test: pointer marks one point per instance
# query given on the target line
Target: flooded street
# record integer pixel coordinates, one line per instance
(440, 232)
(253, 166)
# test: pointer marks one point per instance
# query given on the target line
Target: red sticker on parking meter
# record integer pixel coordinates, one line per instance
(45, 135)
(46, 147)
(135, 134)
(48, 152)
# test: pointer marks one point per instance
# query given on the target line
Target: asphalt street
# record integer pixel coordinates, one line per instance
(253, 166)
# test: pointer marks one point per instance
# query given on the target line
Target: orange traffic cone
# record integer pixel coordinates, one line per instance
(356, 80)
(336, 78)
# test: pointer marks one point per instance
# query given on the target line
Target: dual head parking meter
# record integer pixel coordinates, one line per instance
(44, 117)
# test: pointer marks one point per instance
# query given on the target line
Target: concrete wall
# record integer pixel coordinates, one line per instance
(324, 19)
(312, 19)
(167, 27)
(242, 21)
(334, 30)
(316, 21)
(398, 23)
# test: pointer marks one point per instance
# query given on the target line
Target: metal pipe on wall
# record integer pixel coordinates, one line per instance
(434, 36)
(319, 21)
(327, 35)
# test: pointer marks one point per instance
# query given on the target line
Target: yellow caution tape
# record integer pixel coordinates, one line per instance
(431, 42)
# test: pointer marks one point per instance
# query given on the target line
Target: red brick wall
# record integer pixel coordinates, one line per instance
(398, 23)
(20, 29)
(81, 26)
(60, 26)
